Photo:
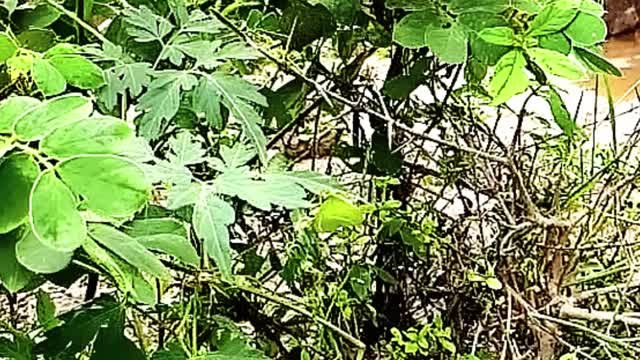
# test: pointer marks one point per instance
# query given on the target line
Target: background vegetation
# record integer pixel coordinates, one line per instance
(320, 179)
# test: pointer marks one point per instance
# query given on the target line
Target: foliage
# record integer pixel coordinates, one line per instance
(246, 188)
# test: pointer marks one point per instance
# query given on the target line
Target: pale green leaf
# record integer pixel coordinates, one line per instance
(211, 216)
(336, 213)
(12, 109)
(48, 79)
(556, 63)
(78, 71)
(493, 283)
(129, 249)
(145, 25)
(509, 78)
(110, 186)
(52, 114)
(313, 182)
(186, 149)
(182, 195)
(411, 30)
(53, 215)
(17, 174)
(40, 258)
(95, 135)
(234, 349)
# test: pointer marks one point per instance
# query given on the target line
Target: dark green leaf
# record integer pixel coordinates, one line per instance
(18, 173)
(560, 113)
(46, 311)
(13, 276)
(595, 62)
(7, 47)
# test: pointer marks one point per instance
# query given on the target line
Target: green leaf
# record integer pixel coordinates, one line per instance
(183, 195)
(411, 30)
(12, 109)
(360, 281)
(18, 349)
(447, 41)
(53, 215)
(155, 226)
(509, 78)
(162, 100)
(211, 216)
(79, 328)
(129, 249)
(40, 258)
(554, 17)
(111, 186)
(13, 276)
(145, 25)
(17, 173)
(128, 279)
(556, 42)
(587, 29)
(46, 311)
(95, 135)
(556, 63)
(335, 213)
(112, 340)
(498, 35)
(52, 114)
(7, 47)
(234, 349)
(592, 7)
(237, 96)
(493, 284)
(474, 6)
(40, 16)
(48, 79)
(313, 182)
(261, 194)
(206, 100)
(595, 62)
(449, 44)
(171, 244)
(78, 71)
(410, 5)
(560, 113)
(186, 148)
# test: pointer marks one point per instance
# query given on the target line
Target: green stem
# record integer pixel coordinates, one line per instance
(73, 16)
(35, 153)
(285, 302)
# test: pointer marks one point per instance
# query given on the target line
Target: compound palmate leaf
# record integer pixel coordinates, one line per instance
(211, 216)
(54, 218)
(237, 95)
(111, 186)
